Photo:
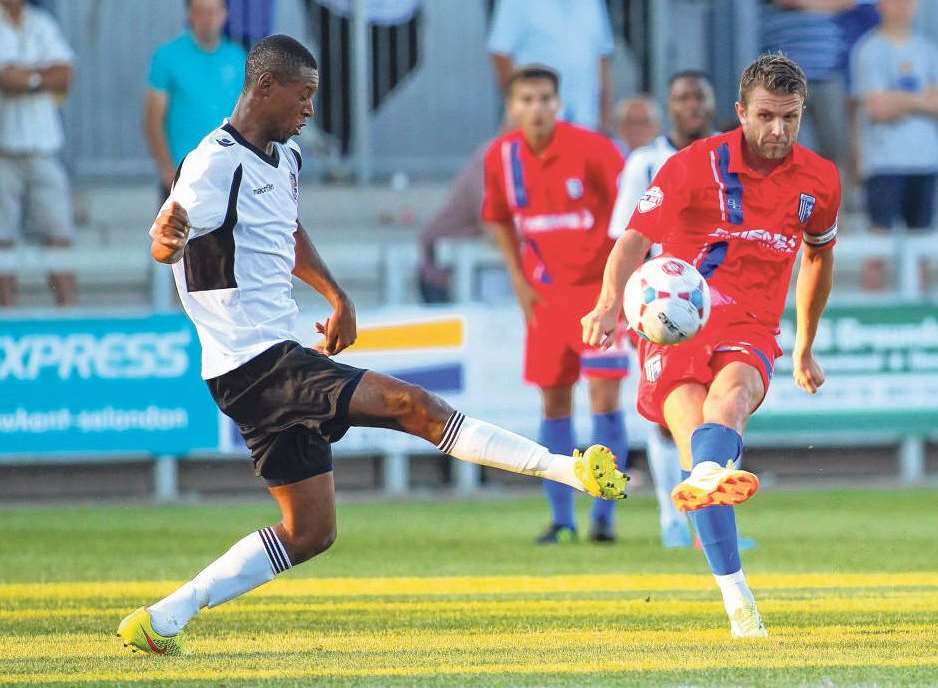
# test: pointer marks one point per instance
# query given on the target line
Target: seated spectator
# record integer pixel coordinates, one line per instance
(807, 31)
(35, 73)
(194, 84)
(895, 77)
(637, 123)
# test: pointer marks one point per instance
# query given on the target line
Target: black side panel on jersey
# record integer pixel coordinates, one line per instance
(209, 259)
(178, 171)
(299, 160)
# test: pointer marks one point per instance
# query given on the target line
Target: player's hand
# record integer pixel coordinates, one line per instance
(340, 330)
(599, 326)
(527, 298)
(807, 372)
(171, 227)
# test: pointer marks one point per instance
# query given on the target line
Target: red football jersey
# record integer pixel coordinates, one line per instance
(558, 202)
(740, 229)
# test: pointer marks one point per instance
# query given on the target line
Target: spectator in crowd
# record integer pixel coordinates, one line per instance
(35, 73)
(194, 83)
(807, 32)
(895, 79)
(582, 57)
(637, 123)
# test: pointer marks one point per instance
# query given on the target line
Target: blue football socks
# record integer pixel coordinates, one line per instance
(716, 525)
(609, 430)
(557, 435)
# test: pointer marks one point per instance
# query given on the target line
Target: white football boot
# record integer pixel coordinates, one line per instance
(710, 484)
(745, 622)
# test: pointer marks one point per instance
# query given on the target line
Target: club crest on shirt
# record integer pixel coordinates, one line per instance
(294, 186)
(650, 200)
(806, 207)
(574, 188)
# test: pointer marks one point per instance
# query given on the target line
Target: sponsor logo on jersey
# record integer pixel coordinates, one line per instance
(806, 207)
(224, 142)
(780, 243)
(263, 189)
(582, 220)
(294, 186)
(652, 368)
(575, 188)
(650, 200)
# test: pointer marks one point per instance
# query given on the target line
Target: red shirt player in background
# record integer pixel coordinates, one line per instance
(549, 191)
(738, 206)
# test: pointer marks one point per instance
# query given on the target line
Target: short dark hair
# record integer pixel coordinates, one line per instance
(530, 73)
(689, 74)
(776, 73)
(280, 55)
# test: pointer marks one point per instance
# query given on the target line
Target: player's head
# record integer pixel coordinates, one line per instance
(206, 18)
(899, 13)
(637, 120)
(280, 78)
(533, 100)
(772, 94)
(691, 104)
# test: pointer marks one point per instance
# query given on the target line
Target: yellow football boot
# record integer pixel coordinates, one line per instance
(596, 469)
(137, 633)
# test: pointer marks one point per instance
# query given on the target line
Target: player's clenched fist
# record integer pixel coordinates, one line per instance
(169, 232)
(599, 326)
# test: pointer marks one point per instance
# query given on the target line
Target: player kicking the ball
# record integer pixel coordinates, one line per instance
(230, 230)
(738, 206)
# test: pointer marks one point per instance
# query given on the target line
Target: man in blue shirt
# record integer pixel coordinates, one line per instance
(194, 83)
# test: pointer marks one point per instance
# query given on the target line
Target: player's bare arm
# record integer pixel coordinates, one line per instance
(507, 240)
(169, 233)
(628, 253)
(339, 330)
(812, 290)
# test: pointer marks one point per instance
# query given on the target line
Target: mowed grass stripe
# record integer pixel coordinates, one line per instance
(846, 603)
(479, 585)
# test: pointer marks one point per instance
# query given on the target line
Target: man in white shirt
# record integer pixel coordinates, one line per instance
(35, 73)
(230, 230)
(572, 37)
(691, 109)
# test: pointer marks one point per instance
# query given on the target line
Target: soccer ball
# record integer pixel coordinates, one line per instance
(667, 301)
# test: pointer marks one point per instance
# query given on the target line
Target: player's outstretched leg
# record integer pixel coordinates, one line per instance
(383, 401)
(307, 529)
(665, 464)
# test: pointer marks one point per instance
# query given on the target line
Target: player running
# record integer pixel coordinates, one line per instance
(738, 206)
(691, 109)
(549, 191)
(231, 232)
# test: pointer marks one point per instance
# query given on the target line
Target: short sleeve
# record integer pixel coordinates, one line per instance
(55, 48)
(505, 35)
(494, 204)
(206, 184)
(159, 75)
(632, 184)
(866, 69)
(821, 228)
(660, 206)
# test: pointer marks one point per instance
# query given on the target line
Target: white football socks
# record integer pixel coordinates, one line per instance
(479, 442)
(665, 464)
(736, 592)
(252, 561)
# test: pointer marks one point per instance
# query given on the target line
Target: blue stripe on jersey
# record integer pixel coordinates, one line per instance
(540, 272)
(734, 188)
(517, 175)
(714, 257)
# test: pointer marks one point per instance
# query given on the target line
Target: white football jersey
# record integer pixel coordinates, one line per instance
(235, 276)
(640, 168)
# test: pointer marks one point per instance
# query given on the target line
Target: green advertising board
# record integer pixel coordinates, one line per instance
(881, 364)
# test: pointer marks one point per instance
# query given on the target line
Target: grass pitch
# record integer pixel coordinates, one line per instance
(456, 594)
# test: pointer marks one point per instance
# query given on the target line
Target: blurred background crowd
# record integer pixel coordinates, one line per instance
(101, 99)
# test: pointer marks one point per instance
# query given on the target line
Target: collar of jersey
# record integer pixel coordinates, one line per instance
(738, 163)
(272, 160)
